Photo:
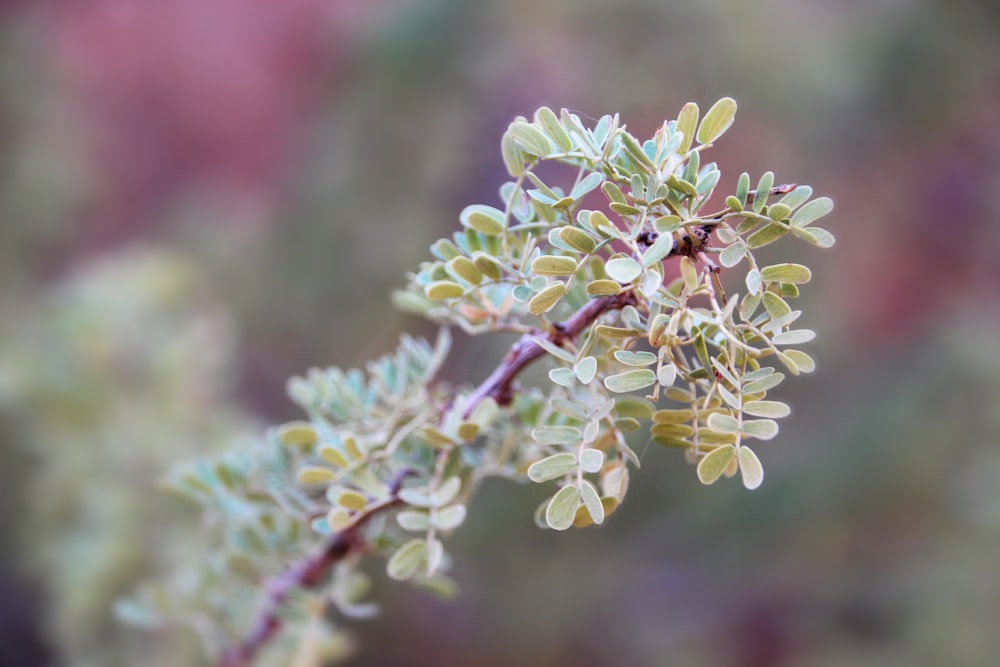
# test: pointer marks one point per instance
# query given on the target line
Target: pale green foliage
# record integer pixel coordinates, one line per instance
(392, 440)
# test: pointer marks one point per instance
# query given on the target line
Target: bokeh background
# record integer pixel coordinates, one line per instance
(200, 198)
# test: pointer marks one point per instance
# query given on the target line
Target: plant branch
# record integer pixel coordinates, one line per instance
(306, 573)
(499, 385)
(311, 570)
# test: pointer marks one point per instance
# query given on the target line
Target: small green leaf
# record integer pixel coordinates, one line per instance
(723, 423)
(545, 300)
(797, 197)
(772, 409)
(513, 157)
(586, 185)
(603, 287)
(630, 381)
(586, 369)
(804, 362)
(633, 406)
(812, 211)
(548, 120)
(448, 518)
(687, 121)
(623, 269)
(779, 211)
(762, 429)
(681, 416)
(464, 268)
(613, 193)
(750, 468)
(467, 431)
(561, 509)
(732, 255)
(717, 120)
(662, 246)
(415, 520)
(591, 460)
(795, 274)
(310, 475)
(407, 560)
(763, 191)
(766, 235)
(666, 375)
(484, 219)
(553, 265)
(821, 238)
(565, 377)
(443, 289)
(577, 238)
(711, 467)
(530, 139)
(734, 203)
(297, 434)
(775, 305)
(352, 500)
(690, 273)
(447, 492)
(665, 224)
(630, 358)
(551, 467)
(337, 520)
(794, 337)
(743, 187)
(758, 386)
(592, 501)
(557, 435)
(486, 265)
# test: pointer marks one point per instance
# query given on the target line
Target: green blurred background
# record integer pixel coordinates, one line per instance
(201, 198)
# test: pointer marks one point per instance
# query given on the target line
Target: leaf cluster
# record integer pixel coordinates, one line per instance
(580, 264)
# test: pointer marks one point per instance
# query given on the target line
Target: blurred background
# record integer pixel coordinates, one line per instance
(201, 198)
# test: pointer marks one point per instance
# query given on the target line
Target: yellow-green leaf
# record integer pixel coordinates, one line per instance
(796, 274)
(297, 434)
(551, 467)
(577, 238)
(553, 265)
(592, 501)
(352, 500)
(315, 475)
(464, 268)
(557, 133)
(603, 287)
(711, 467)
(561, 510)
(623, 269)
(485, 219)
(630, 381)
(443, 289)
(545, 300)
(687, 121)
(407, 560)
(750, 468)
(717, 120)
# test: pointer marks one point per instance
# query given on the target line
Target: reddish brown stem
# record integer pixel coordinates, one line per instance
(311, 570)
(499, 385)
(306, 573)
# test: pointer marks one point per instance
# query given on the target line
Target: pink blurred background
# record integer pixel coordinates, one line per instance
(203, 197)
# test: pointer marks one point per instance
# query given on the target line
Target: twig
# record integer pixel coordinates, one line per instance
(311, 570)
(499, 385)
(691, 241)
(306, 573)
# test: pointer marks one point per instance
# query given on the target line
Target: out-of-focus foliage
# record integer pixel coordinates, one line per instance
(301, 155)
(123, 366)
